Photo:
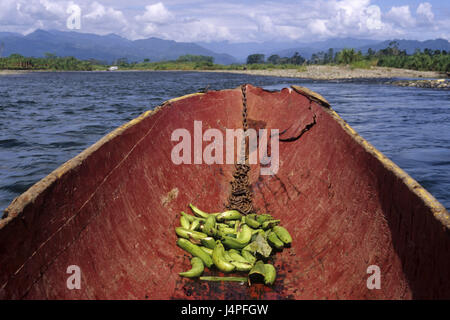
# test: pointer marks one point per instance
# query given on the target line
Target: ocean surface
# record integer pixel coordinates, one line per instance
(48, 118)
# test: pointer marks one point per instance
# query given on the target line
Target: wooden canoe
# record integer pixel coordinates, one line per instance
(112, 211)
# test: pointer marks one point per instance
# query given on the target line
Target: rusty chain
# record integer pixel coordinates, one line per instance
(241, 196)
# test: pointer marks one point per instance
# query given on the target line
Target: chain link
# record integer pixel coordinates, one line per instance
(244, 107)
(241, 196)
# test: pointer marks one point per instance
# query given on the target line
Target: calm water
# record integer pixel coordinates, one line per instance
(48, 118)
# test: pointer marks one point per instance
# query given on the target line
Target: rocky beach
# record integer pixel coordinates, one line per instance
(326, 72)
(434, 84)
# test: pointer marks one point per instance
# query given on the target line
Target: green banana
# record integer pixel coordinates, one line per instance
(257, 273)
(196, 270)
(229, 215)
(242, 239)
(185, 233)
(210, 226)
(245, 234)
(242, 266)
(195, 250)
(227, 256)
(191, 218)
(223, 225)
(270, 274)
(274, 241)
(257, 232)
(208, 242)
(207, 250)
(231, 223)
(221, 232)
(236, 256)
(226, 230)
(194, 225)
(283, 234)
(248, 256)
(252, 222)
(219, 260)
(184, 222)
(187, 216)
(269, 224)
(232, 243)
(232, 279)
(199, 212)
(263, 217)
(222, 235)
(237, 226)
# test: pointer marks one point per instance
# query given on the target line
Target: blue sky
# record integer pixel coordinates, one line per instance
(237, 21)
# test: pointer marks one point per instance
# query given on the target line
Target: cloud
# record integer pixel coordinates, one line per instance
(265, 25)
(158, 21)
(24, 15)
(319, 27)
(152, 21)
(101, 19)
(155, 13)
(343, 18)
(401, 16)
(190, 30)
(373, 21)
(424, 13)
(203, 20)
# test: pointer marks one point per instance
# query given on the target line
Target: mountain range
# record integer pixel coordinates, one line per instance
(108, 48)
(105, 48)
(287, 48)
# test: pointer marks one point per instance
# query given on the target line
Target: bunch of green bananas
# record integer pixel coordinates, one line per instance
(231, 242)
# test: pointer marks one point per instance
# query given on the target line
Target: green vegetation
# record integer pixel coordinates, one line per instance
(391, 57)
(50, 62)
(296, 59)
(257, 61)
(186, 62)
(434, 61)
(348, 56)
(256, 58)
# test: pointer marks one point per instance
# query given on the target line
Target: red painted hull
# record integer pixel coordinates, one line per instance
(112, 211)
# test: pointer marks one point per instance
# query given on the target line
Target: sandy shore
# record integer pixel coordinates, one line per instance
(6, 72)
(312, 72)
(340, 72)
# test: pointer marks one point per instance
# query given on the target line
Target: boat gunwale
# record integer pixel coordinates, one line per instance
(18, 205)
(439, 211)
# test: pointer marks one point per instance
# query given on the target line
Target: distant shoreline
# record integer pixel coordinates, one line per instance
(314, 72)
(339, 72)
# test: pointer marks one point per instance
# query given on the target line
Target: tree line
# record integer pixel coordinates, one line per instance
(275, 59)
(49, 62)
(196, 60)
(52, 62)
(392, 56)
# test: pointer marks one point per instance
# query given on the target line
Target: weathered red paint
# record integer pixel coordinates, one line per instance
(113, 209)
